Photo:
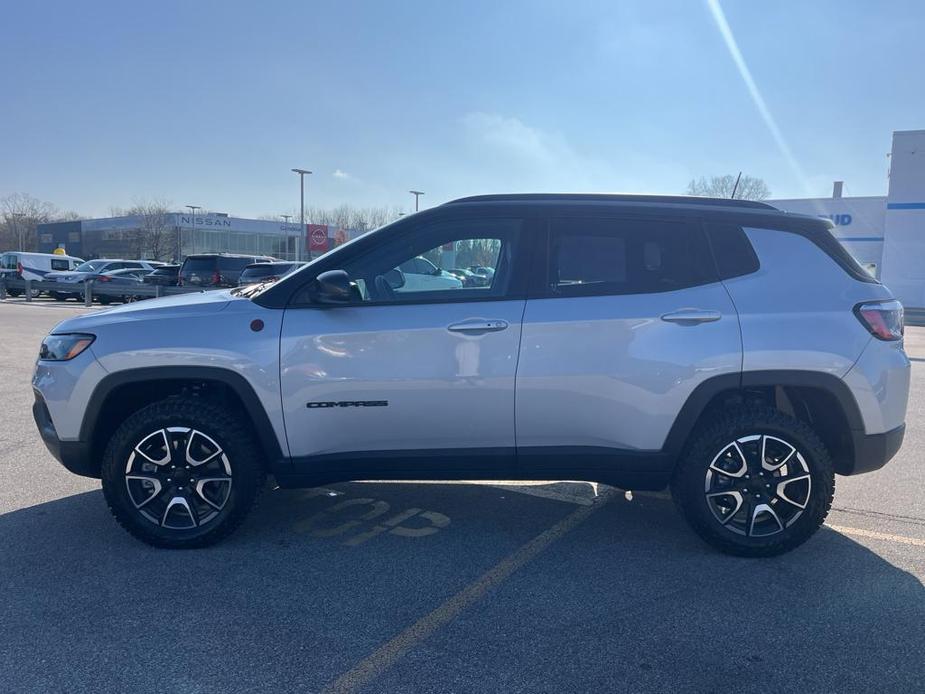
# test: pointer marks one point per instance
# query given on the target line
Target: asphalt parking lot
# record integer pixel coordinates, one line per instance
(417, 587)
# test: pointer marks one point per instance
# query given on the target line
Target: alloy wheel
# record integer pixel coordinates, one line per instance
(758, 485)
(178, 478)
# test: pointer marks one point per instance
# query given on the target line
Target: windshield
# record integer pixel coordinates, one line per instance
(265, 270)
(91, 265)
(295, 275)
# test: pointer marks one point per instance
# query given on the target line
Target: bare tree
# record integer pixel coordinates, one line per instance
(348, 216)
(21, 214)
(156, 237)
(749, 188)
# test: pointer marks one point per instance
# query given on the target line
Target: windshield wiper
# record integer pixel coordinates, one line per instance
(250, 289)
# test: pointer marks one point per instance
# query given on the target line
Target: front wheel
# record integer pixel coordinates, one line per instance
(181, 472)
(755, 482)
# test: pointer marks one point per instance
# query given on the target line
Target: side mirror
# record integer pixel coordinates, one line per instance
(395, 278)
(333, 287)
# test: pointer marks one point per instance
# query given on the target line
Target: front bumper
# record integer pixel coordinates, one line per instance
(873, 451)
(73, 455)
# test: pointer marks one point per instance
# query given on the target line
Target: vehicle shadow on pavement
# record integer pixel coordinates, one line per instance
(318, 579)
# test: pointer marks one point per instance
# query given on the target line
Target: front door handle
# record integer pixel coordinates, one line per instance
(691, 316)
(478, 326)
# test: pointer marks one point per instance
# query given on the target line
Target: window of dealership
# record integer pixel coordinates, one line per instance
(133, 236)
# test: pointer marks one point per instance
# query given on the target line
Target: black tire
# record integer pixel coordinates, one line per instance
(58, 296)
(104, 300)
(239, 454)
(702, 468)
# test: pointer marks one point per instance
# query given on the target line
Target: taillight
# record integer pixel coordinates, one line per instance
(19, 269)
(216, 277)
(103, 278)
(884, 319)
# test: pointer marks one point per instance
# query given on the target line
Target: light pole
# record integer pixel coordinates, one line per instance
(192, 209)
(18, 217)
(417, 194)
(298, 248)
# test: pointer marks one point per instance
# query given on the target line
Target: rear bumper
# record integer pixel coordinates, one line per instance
(873, 451)
(73, 455)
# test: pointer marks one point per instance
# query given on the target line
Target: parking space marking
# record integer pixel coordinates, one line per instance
(874, 535)
(386, 655)
(330, 522)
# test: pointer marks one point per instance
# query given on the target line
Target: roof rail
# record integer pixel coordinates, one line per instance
(613, 197)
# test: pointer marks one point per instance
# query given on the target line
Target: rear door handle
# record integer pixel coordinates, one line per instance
(691, 316)
(478, 326)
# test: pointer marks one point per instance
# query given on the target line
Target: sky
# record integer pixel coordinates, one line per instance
(212, 103)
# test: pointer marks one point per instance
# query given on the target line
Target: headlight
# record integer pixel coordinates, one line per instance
(64, 347)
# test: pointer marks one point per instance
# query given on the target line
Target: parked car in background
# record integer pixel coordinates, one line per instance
(469, 278)
(72, 282)
(213, 270)
(266, 272)
(482, 270)
(33, 266)
(422, 275)
(164, 276)
(120, 280)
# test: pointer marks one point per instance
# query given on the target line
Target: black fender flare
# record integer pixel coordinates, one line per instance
(704, 393)
(233, 380)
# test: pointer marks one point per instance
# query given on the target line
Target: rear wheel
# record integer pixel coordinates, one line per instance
(755, 482)
(58, 296)
(181, 473)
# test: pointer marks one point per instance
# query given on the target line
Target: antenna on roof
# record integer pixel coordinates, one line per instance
(735, 187)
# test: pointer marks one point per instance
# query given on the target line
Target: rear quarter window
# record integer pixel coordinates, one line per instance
(57, 264)
(732, 250)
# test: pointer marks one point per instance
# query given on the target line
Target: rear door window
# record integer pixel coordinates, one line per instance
(59, 264)
(610, 256)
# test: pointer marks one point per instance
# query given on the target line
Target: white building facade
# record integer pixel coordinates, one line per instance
(885, 233)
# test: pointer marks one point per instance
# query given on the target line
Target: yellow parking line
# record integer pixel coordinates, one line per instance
(874, 535)
(385, 656)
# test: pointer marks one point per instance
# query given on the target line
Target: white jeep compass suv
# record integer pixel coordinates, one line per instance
(723, 348)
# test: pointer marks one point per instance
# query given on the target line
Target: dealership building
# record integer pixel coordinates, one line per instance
(884, 233)
(118, 237)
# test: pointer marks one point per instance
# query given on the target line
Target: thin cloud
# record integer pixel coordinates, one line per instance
(531, 156)
(343, 175)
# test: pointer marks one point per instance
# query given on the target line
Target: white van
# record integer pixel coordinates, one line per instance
(33, 266)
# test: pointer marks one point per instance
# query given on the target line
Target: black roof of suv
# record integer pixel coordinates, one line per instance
(614, 197)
